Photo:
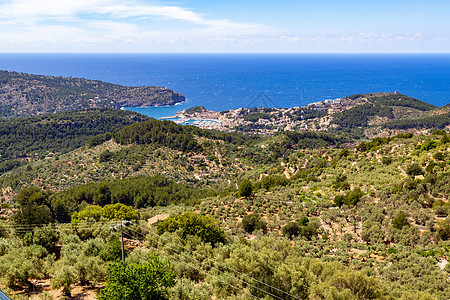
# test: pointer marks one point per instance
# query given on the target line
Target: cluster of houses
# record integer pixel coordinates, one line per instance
(280, 119)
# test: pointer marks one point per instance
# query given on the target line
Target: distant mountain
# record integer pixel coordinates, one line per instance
(25, 95)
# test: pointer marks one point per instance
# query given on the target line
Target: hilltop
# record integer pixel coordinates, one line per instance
(25, 95)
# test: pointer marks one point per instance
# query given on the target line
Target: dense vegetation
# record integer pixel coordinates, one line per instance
(436, 122)
(163, 133)
(37, 137)
(377, 105)
(296, 215)
(310, 140)
(169, 134)
(41, 207)
(25, 95)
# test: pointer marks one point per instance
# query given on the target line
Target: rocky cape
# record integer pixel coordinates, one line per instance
(25, 95)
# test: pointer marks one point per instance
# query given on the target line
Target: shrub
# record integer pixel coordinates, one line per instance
(386, 160)
(415, 170)
(106, 156)
(428, 145)
(116, 211)
(253, 222)
(5, 245)
(351, 199)
(46, 237)
(112, 251)
(303, 228)
(21, 264)
(291, 229)
(245, 189)
(189, 223)
(138, 281)
(400, 221)
(63, 277)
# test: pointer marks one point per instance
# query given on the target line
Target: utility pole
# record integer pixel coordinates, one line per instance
(121, 240)
(121, 236)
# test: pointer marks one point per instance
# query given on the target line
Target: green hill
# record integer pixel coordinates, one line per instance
(378, 108)
(35, 137)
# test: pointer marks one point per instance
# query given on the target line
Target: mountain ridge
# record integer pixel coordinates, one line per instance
(25, 95)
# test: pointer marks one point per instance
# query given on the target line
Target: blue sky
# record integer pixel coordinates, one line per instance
(376, 26)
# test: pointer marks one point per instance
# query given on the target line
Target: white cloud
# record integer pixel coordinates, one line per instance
(171, 12)
(362, 37)
(32, 11)
(67, 22)
(20, 10)
(134, 25)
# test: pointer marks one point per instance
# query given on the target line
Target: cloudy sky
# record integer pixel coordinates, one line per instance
(225, 26)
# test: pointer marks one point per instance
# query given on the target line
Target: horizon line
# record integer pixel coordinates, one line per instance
(142, 52)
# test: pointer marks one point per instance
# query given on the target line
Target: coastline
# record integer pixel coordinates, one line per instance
(315, 116)
(288, 79)
(168, 117)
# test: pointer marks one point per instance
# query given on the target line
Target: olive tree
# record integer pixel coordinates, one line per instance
(131, 281)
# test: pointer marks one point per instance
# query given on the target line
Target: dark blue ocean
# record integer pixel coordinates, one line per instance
(227, 81)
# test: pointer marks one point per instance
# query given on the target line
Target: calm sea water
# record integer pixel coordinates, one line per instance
(227, 81)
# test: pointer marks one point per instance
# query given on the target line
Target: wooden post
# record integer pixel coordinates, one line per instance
(121, 239)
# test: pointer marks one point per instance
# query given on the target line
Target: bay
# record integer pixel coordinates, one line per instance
(228, 81)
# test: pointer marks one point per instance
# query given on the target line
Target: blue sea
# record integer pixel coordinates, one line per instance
(228, 81)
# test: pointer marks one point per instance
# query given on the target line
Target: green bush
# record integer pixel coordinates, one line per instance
(63, 277)
(415, 170)
(112, 251)
(189, 223)
(138, 281)
(428, 145)
(253, 222)
(291, 229)
(19, 265)
(116, 211)
(400, 221)
(245, 189)
(46, 237)
(351, 199)
(302, 228)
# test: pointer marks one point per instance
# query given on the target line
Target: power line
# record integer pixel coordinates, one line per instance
(31, 226)
(251, 278)
(102, 225)
(87, 225)
(240, 273)
(200, 270)
(212, 267)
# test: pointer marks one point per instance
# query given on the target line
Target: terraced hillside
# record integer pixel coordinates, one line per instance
(293, 215)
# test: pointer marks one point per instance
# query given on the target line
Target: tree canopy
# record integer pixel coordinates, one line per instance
(131, 281)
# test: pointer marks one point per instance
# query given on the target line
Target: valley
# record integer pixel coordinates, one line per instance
(337, 200)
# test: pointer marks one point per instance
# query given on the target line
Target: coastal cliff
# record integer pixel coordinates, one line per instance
(25, 95)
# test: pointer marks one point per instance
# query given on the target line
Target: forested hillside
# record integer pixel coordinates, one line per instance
(214, 215)
(378, 106)
(25, 95)
(35, 137)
